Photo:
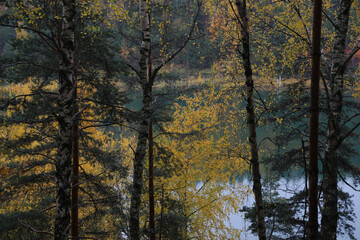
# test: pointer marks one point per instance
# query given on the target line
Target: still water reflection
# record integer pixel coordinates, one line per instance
(239, 221)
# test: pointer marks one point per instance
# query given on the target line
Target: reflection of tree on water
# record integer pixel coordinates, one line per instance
(284, 209)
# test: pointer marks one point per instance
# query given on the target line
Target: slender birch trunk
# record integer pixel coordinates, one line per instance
(146, 85)
(67, 83)
(251, 119)
(314, 122)
(330, 210)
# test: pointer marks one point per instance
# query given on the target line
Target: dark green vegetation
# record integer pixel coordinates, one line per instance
(129, 119)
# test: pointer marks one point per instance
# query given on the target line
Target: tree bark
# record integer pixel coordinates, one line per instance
(67, 86)
(151, 164)
(75, 178)
(140, 152)
(151, 184)
(251, 119)
(314, 122)
(330, 210)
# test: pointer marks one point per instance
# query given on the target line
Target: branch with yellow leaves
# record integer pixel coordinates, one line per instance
(183, 45)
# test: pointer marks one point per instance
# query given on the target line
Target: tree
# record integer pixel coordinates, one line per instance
(334, 86)
(314, 122)
(146, 75)
(64, 47)
(251, 119)
(200, 172)
(287, 24)
(67, 93)
(54, 36)
(294, 22)
(146, 85)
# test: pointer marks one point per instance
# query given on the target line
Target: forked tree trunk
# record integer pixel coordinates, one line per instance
(314, 122)
(251, 119)
(67, 83)
(330, 210)
(146, 77)
(146, 85)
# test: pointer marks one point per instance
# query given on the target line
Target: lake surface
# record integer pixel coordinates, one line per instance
(239, 221)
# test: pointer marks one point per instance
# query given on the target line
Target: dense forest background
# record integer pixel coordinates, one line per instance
(164, 119)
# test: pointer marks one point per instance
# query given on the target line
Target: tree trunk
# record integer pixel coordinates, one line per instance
(140, 152)
(314, 122)
(151, 163)
(151, 184)
(75, 179)
(67, 88)
(251, 120)
(330, 211)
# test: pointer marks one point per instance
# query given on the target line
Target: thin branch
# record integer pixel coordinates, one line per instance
(33, 229)
(134, 69)
(351, 54)
(207, 180)
(204, 206)
(34, 64)
(330, 20)
(49, 41)
(9, 101)
(297, 10)
(343, 179)
(350, 118)
(176, 52)
(342, 139)
(296, 33)
(109, 105)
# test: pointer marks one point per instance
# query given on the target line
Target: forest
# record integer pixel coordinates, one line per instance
(179, 119)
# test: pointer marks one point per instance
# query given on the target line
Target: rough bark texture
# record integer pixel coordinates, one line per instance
(330, 211)
(66, 100)
(151, 184)
(151, 164)
(75, 180)
(314, 122)
(140, 152)
(251, 120)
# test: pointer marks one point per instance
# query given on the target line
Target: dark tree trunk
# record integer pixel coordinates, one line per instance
(151, 184)
(151, 164)
(67, 87)
(330, 211)
(314, 122)
(251, 119)
(140, 152)
(75, 179)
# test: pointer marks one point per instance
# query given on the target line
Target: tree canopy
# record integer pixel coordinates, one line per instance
(159, 119)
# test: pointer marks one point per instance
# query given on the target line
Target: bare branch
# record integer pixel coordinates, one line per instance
(33, 229)
(352, 54)
(134, 69)
(33, 64)
(49, 41)
(177, 51)
(343, 179)
(350, 118)
(342, 139)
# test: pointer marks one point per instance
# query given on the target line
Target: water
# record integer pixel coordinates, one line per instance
(239, 221)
